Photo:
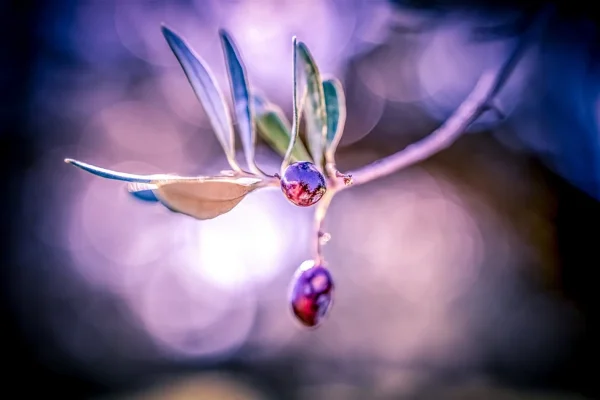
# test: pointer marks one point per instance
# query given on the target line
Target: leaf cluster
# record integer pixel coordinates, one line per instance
(321, 101)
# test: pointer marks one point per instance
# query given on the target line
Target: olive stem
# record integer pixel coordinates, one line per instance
(478, 102)
(320, 213)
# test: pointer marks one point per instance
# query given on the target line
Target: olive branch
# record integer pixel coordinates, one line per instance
(322, 102)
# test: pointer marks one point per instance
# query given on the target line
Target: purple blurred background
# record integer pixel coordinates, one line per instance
(467, 276)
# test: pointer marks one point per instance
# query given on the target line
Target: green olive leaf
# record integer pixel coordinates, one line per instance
(205, 198)
(207, 91)
(241, 99)
(119, 176)
(335, 103)
(201, 197)
(298, 102)
(316, 116)
(274, 128)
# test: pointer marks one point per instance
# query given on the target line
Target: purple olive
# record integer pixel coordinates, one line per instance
(303, 184)
(311, 293)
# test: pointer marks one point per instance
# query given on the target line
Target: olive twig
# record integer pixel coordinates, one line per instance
(478, 102)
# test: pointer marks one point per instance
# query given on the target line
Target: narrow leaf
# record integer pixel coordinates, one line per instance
(316, 117)
(205, 199)
(241, 99)
(297, 101)
(335, 103)
(143, 191)
(126, 177)
(275, 129)
(207, 91)
(119, 176)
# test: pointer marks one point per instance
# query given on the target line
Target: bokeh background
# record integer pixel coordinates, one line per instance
(468, 276)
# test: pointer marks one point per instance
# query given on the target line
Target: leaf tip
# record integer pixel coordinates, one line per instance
(168, 33)
(227, 43)
(224, 34)
(304, 48)
(164, 28)
(75, 163)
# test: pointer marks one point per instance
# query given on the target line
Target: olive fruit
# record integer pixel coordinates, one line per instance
(303, 184)
(311, 293)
